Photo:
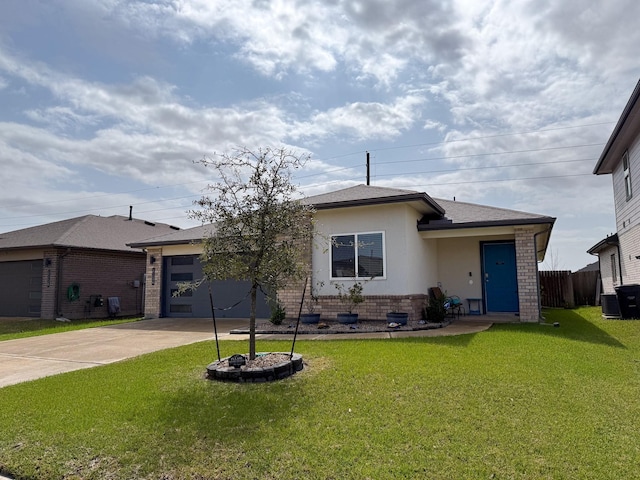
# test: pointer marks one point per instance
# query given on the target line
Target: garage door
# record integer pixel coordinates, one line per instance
(20, 288)
(187, 268)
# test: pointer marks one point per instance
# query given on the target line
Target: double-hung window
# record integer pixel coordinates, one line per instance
(627, 175)
(357, 255)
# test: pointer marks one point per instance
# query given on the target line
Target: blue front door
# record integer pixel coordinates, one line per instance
(500, 278)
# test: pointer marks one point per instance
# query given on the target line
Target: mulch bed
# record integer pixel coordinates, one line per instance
(333, 327)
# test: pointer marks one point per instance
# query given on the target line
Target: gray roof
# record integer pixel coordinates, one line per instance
(468, 215)
(437, 214)
(89, 231)
(592, 267)
(361, 195)
(189, 235)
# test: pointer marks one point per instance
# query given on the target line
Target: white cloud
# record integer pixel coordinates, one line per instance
(332, 75)
(364, 120)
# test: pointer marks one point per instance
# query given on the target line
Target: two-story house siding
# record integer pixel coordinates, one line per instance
(619, 255)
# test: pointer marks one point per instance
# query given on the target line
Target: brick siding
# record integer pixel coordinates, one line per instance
(374, 307)
(108, 274)
(153, 283)
(527, 266)
(49, 284)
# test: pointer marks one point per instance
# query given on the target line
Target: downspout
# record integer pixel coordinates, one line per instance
(535, 246)
(620, 262)
(59, 281)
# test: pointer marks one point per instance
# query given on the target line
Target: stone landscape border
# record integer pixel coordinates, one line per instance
(220, 370)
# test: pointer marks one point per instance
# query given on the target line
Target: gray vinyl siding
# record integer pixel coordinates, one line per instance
(630, 247)
(628, 215)
(627, 211)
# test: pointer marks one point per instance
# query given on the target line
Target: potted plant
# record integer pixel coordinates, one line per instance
(310, 303)
(350, 297)
(395, 316)
(435, 311)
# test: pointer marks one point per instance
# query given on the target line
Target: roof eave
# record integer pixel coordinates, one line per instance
(413, 197)
(607, 161)
(165, 243)
(611, 240)
(425, 227)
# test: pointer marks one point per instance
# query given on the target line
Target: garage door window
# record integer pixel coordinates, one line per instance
(181, 260)
(182, 277)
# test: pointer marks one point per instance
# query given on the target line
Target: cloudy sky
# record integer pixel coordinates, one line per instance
(108, 103)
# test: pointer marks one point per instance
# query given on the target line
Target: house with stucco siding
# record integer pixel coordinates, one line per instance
(399, 243)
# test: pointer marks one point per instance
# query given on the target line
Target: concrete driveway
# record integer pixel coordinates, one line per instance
(30, 358)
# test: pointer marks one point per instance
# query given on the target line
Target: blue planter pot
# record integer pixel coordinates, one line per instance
(397, 317)
(348, 318)
(310, 318)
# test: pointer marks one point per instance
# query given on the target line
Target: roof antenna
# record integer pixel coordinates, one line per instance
(368, 170)
(130, 212)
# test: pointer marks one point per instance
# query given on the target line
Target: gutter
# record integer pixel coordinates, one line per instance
(429, 227)
(595, 250)
(535, 246)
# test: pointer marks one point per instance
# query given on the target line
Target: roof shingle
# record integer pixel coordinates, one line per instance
(89, 231)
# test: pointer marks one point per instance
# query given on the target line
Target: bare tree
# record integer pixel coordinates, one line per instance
(552, 260)
(260, 229)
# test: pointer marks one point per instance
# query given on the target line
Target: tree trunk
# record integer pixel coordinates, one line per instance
(252, 323)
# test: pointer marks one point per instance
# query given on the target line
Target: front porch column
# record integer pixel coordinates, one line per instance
(153, 284)
(527, 268)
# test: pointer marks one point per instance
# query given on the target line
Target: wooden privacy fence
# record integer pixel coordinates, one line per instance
(561, 288)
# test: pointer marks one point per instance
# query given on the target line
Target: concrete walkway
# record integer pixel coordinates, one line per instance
(30, 358)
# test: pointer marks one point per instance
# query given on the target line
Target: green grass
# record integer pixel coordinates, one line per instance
(20, 328)
(515, 402)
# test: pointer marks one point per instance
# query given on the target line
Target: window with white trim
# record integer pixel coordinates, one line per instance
(357, 255)
(627, 175)
(614, 268)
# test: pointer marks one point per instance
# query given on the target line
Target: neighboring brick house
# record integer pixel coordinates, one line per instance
(405, 239)
(70, 268)
(619, 254)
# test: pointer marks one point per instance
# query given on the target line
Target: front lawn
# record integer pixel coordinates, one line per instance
(11, 328)
(517, 402)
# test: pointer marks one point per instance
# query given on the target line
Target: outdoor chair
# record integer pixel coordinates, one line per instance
(452, 304)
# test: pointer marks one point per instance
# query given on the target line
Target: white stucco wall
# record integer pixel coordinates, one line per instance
(457, 258)
(409, 261)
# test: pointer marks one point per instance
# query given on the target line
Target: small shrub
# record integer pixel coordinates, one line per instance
(435, 311)
(278, 314)
(350, 297)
